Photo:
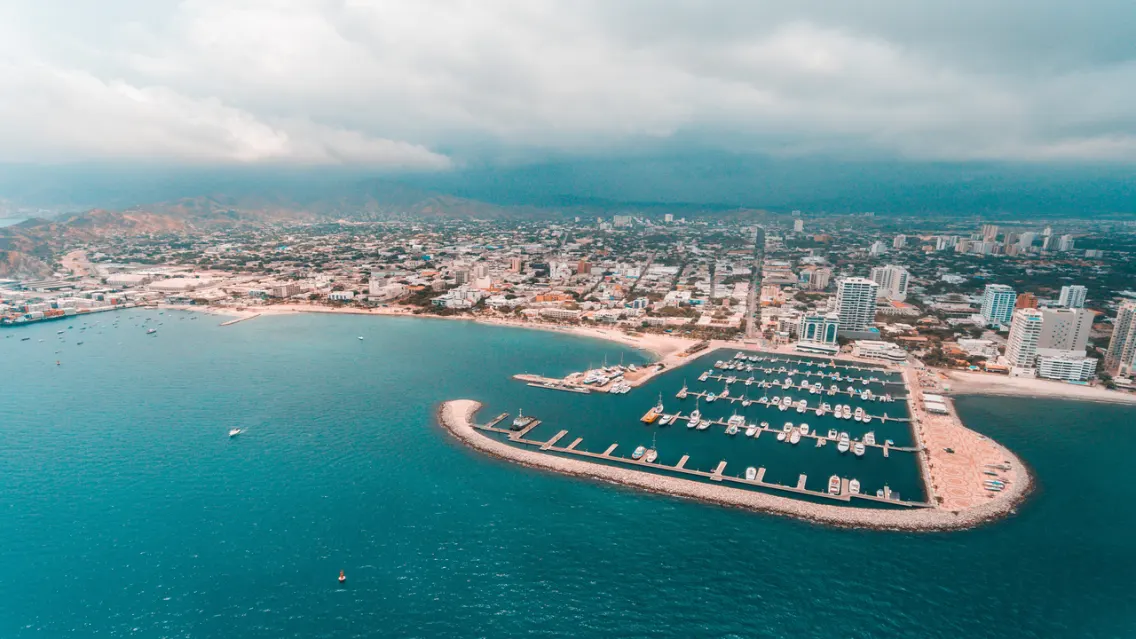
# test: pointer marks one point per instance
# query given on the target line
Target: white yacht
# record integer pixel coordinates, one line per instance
(802, 406)
(736, 420)
(832, 434)
(695, 415)
(233, 432)
(842, 444)
(795, 437)
(751, 473)
(834, 485)
(731, 430)
(749, 382)
(854, 487)
(859, 449)
(750, 430)
(682, 392)
(804, 428)
(859, 414)
(711, 397)
(704, 424)
(725, 391)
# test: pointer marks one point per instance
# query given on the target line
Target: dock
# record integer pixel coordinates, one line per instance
(808, 411)
(239, 319)
(717, 475)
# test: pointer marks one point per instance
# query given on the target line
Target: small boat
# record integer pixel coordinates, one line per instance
(711, 397)
(639, 452)
(832, 433)
(360, 338)
(870, 438)
(750, 430)
(732, 429)
(233, 432)
(854, 486)
(858, 448)
(704, 424)
(834, 485)
(151, 331)
(804, 428)
(24, 339)
(795, 437)
(665, 419)
(682, 392)
(781, 436)
(725, 391)
(342, 577)
(651, 456)
(751, 473)
(764, 425)
(859, 414)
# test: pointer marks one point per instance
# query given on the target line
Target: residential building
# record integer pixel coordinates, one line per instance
(1065, 243)
(1066, 367)
(899, 242)
(1026, 300)
(893, 281)
(998, 304)
(878, 248)
(1021, 348)
(818, 328)
(1121, 356)
(1065, 329)
(798, 226)
(856, 303)
(815, 278)
(1072, 296)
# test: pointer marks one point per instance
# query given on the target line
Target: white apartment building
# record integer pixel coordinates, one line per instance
(1021, 349)
(1121, 356)
(856, 303)
(1065, 329)
(893, 281)
(1072, 296)
(1069, 368)
(998, 304)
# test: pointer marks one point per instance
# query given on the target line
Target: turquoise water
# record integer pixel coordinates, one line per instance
(126, 511)
(9, 221)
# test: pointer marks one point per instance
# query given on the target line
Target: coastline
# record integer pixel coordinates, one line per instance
(989, 384)
(456, 416)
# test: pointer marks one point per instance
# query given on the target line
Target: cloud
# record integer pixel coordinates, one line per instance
(363, 81)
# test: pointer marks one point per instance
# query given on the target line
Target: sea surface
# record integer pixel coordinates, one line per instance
(9, 221)
(126, 511)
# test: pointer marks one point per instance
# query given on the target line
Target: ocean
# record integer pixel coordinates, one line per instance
(127, 511)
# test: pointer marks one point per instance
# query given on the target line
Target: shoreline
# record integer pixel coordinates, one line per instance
(456, 417)
(1000, 385)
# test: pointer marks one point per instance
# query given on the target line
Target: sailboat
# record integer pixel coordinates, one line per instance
(651, 454)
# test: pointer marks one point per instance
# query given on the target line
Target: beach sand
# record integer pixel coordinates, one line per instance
(961, 383)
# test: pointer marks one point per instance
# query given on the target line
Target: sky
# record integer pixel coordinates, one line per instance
(438, 85)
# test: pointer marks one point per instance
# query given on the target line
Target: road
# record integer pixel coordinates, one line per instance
(753, 317)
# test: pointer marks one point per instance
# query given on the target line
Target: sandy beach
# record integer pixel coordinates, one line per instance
(961, 383)
(457, 418)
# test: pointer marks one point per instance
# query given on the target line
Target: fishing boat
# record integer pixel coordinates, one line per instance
(834, 485)
(854, 487)
(520, 421)
(233, 432)
(638, 453)
(859, 449)
(751, 473)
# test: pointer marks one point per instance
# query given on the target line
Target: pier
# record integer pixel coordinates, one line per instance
(239, 319)
(732, 399)
(717, 475)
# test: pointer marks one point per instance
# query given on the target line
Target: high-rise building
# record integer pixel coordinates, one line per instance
(998, 304)
(1072, 296)
(516, 265)
(621, 220)
(1121, 356)
(1065, 329)
(798, 225)
(856, 303)
(1026, 300)
(1021, 347)
(1048, 231)
(878, 248)
(1025, 240)
(989, 232)
(668, 218)
(899, 242)
(893, 281)
(583, 267)
(1065, 243)
(818, 328)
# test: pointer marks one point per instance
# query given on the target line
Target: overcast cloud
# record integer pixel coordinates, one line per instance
(425, 84)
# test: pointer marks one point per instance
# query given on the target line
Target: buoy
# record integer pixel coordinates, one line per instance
(342, 577)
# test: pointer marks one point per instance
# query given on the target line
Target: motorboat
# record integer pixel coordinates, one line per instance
(732, 430)
(795, 437)
(858, 448)
(750, 430)
(711, 397)
(639, 452)
(781, 436)
(832, 434)
(859, 414)
(704, 424)
(725, 391)
(854, 487)
(802, 406)
(843, 443)
(870, 438)
(751, 473)
(736, 420)
(233, 432)
(834, 485)
(804, 428)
